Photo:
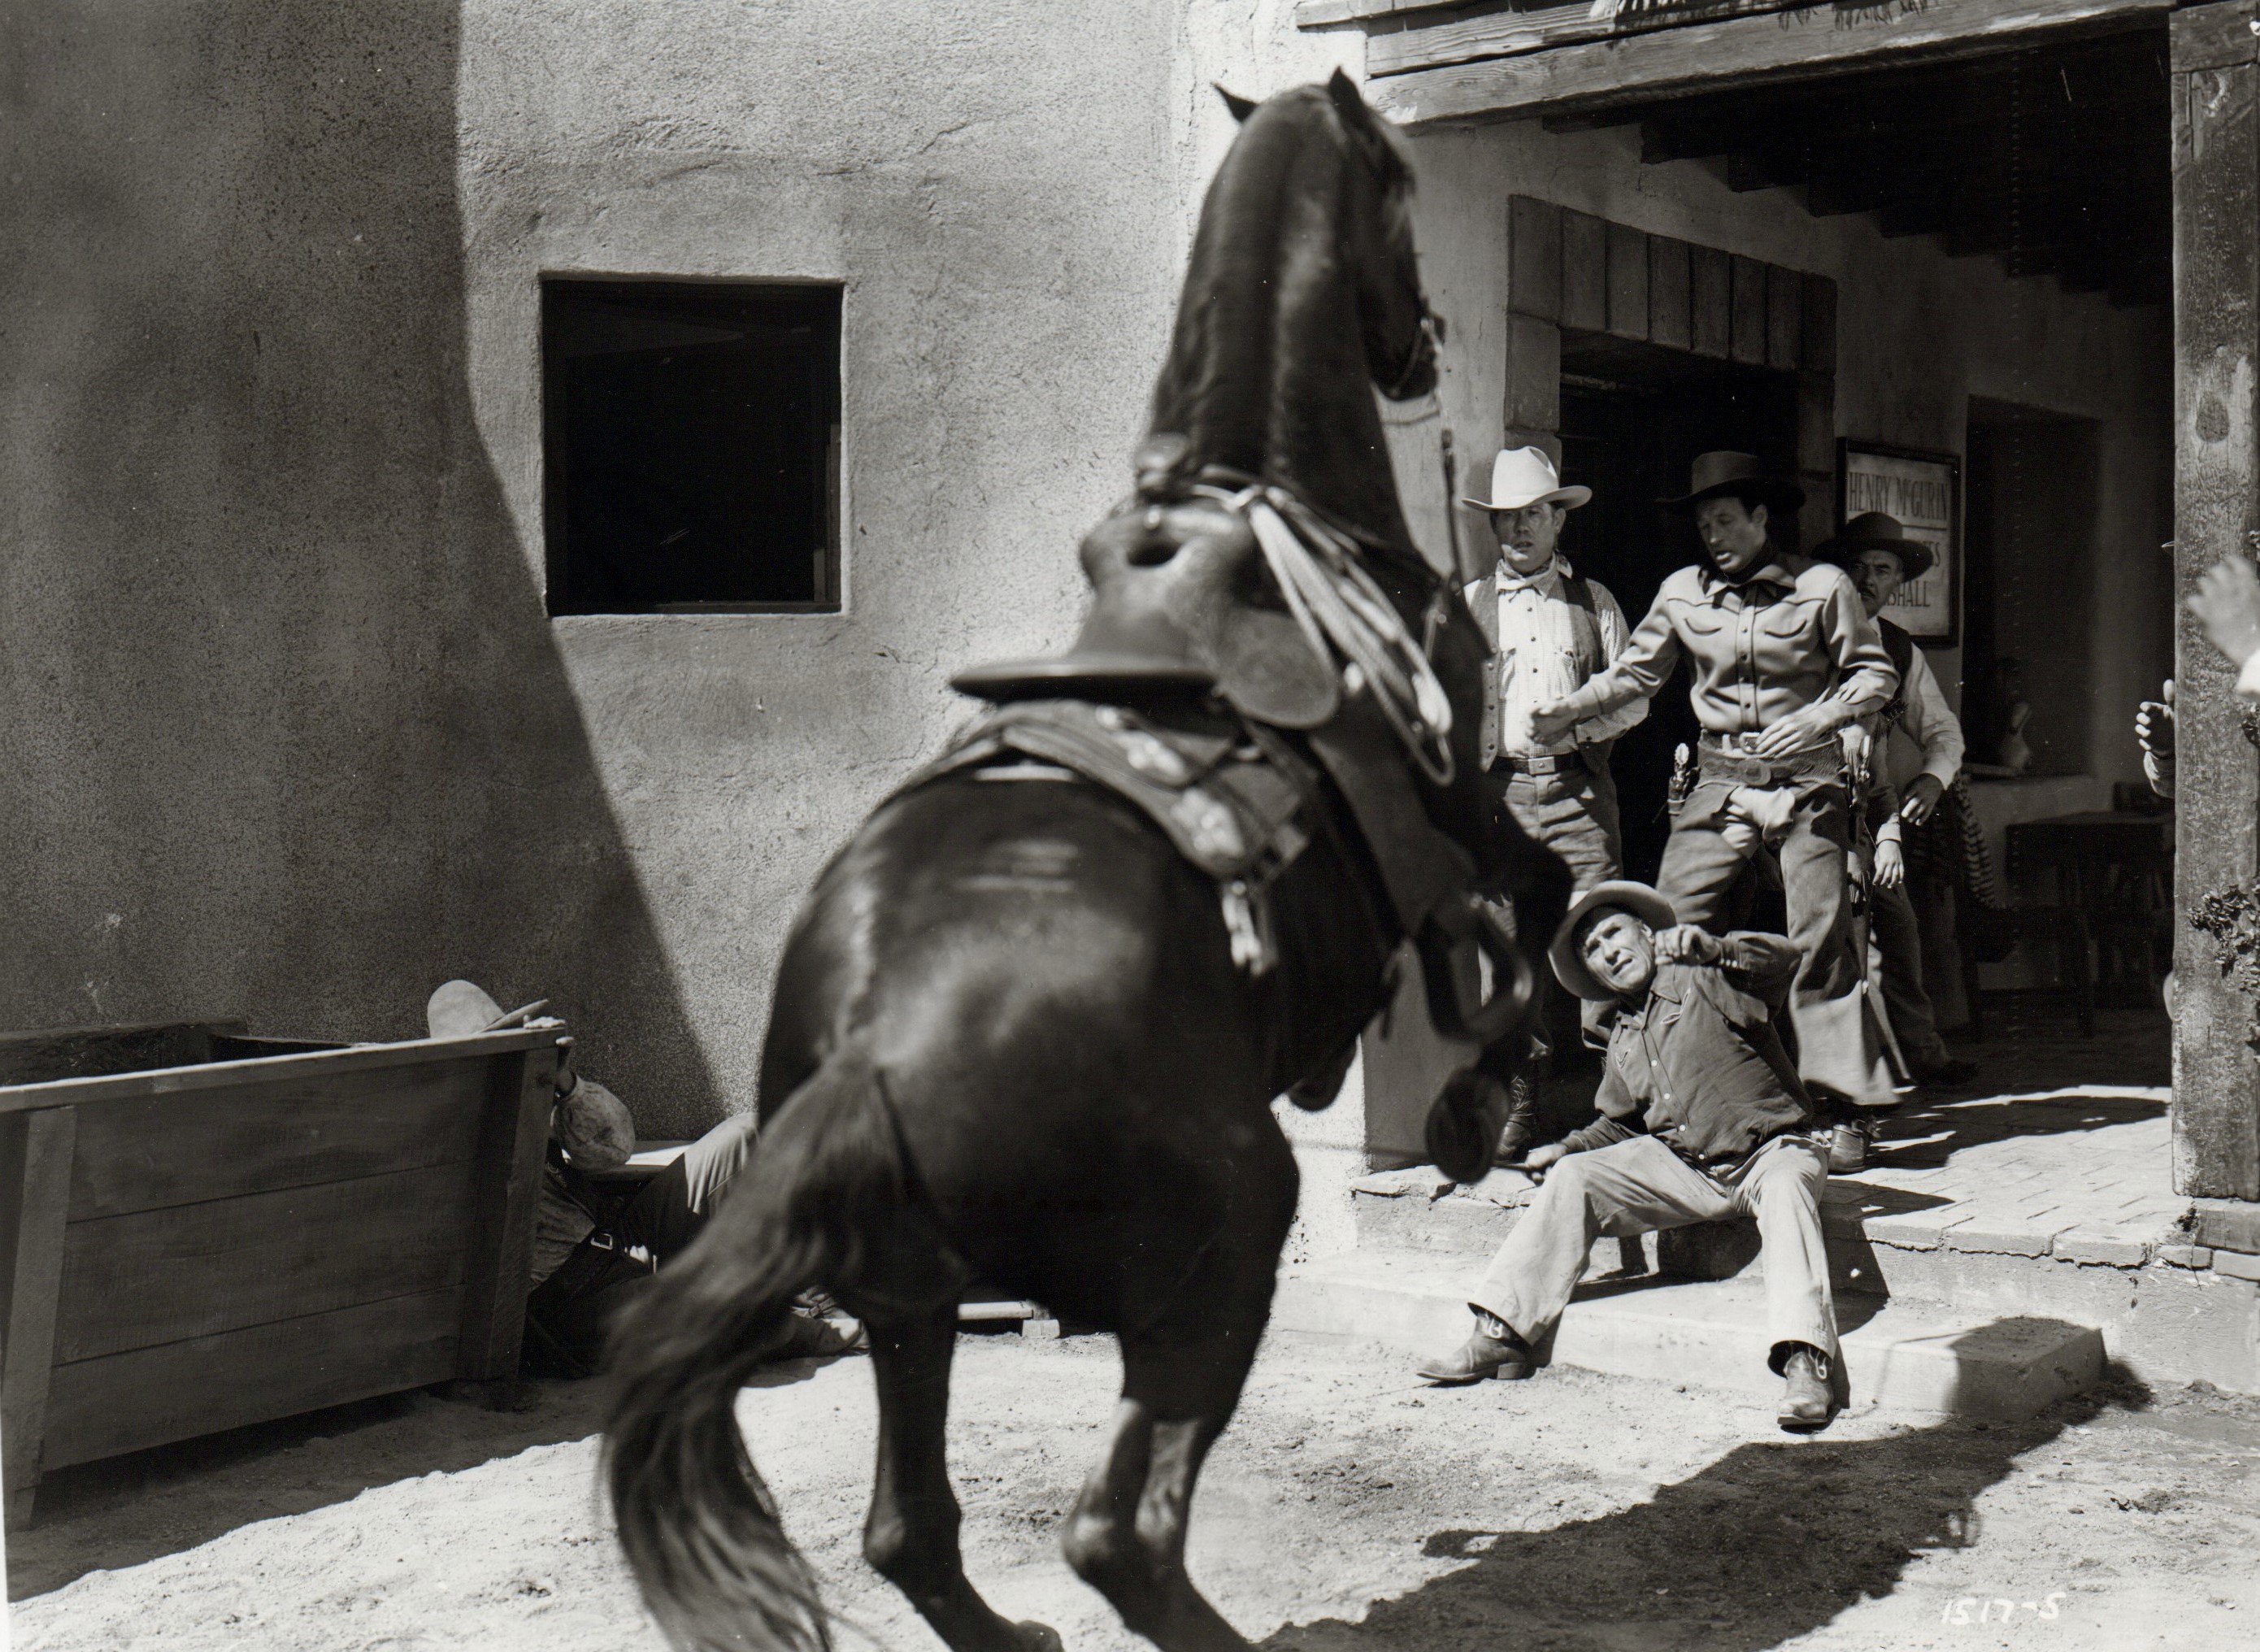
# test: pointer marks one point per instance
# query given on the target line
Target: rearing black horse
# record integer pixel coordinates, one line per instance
(1010, 1040)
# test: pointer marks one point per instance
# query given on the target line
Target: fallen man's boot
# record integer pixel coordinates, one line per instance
(1807, 1401)
(1494, 1350)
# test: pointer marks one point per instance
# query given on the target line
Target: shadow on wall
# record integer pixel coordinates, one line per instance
(285, 732)
(1768, 1543)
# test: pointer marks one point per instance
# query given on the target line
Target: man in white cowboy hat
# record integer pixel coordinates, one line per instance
(1781, 657)
(1702, 1118)
(1550, 631)
(1876, 551)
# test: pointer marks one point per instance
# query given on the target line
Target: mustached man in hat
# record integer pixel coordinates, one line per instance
(1781, 657)
(1702, 1118)
(1877, 552)
(1550, 632)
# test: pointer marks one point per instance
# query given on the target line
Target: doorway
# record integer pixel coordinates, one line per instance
(1633, 416)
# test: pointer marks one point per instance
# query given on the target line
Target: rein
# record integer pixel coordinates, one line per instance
(1335, 602)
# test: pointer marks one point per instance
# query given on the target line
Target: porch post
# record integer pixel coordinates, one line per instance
(2216, 173)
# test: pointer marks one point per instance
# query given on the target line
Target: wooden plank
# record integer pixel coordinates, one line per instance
(2216, 192)
(1818, 349)
(1628, 257)
(2211, 37)
(501, 1251)
(1533, 374)
(1748, 312)
(224, 1075)
(126, 1402)
(90, 1052)
(193, 1270)
(35, 1158)
(1785, 317)
(1670, 316)
(298, 1127)
(1585, 271)
(1534, 271)
(1503, 33)
(1711, 301)
(1805, 44)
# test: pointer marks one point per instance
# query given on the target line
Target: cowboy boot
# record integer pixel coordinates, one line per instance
(1847, 1147)
(1521, 1126)
(1807, 1401)
(1494, 1350)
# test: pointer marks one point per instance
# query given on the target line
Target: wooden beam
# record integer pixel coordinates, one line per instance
(1670, 315)
(1711, 284)
(1748, 312)
(1806, 44)
(2216, 195)
(36, 1155)
(1584, 272)
(1628, 292)
(1534, 251)
(1539, 29)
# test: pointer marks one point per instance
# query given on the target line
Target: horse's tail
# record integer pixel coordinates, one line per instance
(698, 1525)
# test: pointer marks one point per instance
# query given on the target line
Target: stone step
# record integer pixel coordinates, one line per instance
(1916, 1360)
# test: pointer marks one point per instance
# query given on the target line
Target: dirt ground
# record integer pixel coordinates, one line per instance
(1349, 1510)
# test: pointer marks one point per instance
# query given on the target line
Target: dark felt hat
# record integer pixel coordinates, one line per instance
(1876, 531)
(1721, 475)
(1569, 958)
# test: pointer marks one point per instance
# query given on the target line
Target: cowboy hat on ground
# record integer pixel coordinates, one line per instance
(1522, 476)
(1876, 531)
(1568, 951)
(1727, 475)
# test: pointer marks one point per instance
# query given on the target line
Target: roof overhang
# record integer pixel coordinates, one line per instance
(1428, 64)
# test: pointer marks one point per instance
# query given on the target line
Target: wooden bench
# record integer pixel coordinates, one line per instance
(200, 1230)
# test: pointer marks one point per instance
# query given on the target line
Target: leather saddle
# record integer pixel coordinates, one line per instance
(1180, 607)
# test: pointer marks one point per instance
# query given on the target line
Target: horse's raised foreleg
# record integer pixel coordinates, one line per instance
(911, 1535)
(1126, 1537)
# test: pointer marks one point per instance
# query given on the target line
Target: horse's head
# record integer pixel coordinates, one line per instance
(1302, 297)
(1399, 330)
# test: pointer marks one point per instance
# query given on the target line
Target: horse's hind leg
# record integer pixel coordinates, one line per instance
(1127, 1538)
(910, 1536)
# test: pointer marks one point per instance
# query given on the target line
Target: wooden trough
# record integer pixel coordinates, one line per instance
(200, 1229)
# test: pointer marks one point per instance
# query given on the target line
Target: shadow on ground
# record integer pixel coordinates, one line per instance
(1771, 1542)
(121, 1512)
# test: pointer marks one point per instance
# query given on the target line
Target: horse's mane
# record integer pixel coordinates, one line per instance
(1267, 374)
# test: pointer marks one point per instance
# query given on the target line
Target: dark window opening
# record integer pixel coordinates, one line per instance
(1633, 416)
(691, 434)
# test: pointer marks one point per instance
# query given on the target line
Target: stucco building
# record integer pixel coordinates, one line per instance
(304, 714)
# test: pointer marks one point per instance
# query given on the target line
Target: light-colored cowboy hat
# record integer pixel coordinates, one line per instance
(1877, 531)
(460, 1010)
(1569, 958)
(1525, 475)
(1716, 476)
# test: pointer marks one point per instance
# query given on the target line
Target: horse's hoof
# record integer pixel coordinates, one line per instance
(1041, 1637)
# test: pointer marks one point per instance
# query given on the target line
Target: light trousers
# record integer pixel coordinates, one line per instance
(1639, 1186)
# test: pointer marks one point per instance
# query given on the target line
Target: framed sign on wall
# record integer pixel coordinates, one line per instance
(1924, 491)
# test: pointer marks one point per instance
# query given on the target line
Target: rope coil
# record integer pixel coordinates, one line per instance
(1340, 609)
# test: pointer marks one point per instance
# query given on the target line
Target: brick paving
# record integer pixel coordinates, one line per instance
(2059, 1146)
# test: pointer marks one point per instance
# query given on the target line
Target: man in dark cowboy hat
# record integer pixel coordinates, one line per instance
(1702, 1119)
(1549, 631)
(1781, 657)
(1876, 551)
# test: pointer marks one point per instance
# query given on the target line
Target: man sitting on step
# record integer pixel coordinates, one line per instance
(1703, 1118)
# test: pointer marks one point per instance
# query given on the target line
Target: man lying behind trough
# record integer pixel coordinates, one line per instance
(1702, 1119)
